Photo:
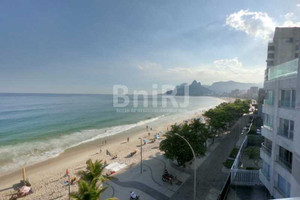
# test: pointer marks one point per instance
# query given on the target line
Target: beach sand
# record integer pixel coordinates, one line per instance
(47, 177)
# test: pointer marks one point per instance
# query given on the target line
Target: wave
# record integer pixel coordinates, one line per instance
(31, 152)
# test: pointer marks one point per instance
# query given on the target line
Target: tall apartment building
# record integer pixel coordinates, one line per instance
(280, 150)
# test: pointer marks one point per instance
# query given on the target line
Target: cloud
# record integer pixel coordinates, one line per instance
(256, 24)
(290, 20)
(298, 5)
(219, 70)
(259, 24)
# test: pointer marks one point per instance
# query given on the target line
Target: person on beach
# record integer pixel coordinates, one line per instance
(148, 133)
(128, 139)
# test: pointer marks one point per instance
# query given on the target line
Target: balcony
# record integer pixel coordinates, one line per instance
(265, 180)
(284, 163)
(266, 149)
(286, 69)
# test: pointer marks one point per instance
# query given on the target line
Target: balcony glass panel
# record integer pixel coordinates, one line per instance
(268, 121)
(269, 98)
(285, 69)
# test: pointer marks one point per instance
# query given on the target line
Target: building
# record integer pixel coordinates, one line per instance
(280, 150)
(260, 101)
(252, 92)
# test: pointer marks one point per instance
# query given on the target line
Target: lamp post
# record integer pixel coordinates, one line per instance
(141, 155)
(194, 162)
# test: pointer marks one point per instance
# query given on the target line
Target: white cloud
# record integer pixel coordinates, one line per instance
(290, 20)
(256, 24)
(298, 5)
(259, 24)
(219, 70)
(228, 64)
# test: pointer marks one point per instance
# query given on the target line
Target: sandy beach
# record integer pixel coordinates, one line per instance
(47, 177)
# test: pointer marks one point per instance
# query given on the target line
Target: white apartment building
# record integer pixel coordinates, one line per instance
(280, 150)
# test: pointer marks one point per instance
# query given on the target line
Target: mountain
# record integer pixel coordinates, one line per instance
(228, 86)
(195, 89)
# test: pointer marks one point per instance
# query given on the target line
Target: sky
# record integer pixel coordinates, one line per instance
(76, 46)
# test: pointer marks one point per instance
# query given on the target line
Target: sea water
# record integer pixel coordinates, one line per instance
(36, 127)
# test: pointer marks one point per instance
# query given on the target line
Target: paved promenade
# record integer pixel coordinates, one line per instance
(210, 174)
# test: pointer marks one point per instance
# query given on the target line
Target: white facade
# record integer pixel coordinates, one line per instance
(280, 151)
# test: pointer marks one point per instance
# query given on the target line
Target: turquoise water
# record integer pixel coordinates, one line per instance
(34, 127)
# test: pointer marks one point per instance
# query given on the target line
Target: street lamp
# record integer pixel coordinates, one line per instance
(141, 155)
(194, 162)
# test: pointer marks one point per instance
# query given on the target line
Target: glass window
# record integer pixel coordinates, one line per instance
(286, 128)
(283, 186)
(288, 98)
(266, 170)
(285, 157)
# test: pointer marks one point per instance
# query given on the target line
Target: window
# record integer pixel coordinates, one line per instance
(288, 98)
(267, 146)
(268, 121)
(283, 186)
(266, 170)
(285, 157)
(269, 97)
(271, 55)
(270, 62)
(286, 128)
(296, 55)
(271, 48)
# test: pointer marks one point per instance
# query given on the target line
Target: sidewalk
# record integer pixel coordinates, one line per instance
(210, 175)
(149, 186)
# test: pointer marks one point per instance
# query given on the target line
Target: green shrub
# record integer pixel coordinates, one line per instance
(252, 152)
(228, 163)
(253, 129)
(233, 153)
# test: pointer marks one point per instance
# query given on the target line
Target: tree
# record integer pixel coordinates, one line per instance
(94, 170)
(90, 185)
(175, 148)
(88, 191)
(222, 116)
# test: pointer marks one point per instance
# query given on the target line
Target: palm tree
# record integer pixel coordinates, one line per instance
(94, 170)
(89, 191)
(90, 185)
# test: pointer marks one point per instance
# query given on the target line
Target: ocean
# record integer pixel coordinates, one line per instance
(36, 127)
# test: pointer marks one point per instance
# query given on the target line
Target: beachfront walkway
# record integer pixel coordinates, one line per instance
(210, 174)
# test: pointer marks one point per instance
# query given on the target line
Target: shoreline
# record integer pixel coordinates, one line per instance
(51, 171)
(74, 158)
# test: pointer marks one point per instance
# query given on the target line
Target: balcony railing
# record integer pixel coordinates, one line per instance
(284, 163)
(266, 149)
(289, 68)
